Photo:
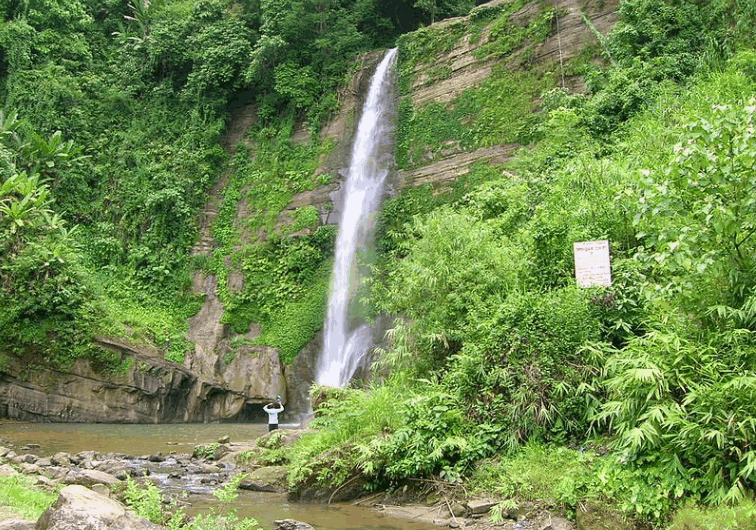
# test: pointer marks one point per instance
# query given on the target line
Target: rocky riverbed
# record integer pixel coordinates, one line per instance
(180, 475)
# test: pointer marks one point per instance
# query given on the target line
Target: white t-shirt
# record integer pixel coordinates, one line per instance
(273, 411)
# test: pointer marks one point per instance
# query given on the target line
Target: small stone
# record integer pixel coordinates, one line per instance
(457, 510)
(44, 481)
(480, 506)
(224, 439)
(157, 458)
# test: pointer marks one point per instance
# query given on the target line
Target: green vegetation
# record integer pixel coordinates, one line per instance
(498, 373)
(146, 501)
(18, 494)
(112, 122)
(504, 375)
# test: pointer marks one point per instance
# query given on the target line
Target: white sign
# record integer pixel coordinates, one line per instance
(593, 265)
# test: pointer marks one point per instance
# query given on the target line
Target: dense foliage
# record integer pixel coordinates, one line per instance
(114, 128)
(495, 352)
(114, 117)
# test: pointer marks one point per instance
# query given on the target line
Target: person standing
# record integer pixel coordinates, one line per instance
(273, 410)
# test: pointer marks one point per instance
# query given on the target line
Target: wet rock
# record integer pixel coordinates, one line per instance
(30, 447)
(291, 524)
(249, 485)
(79, 508)
(156, 458)
(121, 474)
(268, 479)
(29, 459)
(204, 468)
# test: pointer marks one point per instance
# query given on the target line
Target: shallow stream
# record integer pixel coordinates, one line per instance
(181, 438)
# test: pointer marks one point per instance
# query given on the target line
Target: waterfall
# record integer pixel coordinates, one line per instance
(345, 349)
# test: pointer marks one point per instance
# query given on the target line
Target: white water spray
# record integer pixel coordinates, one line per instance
(344, 350)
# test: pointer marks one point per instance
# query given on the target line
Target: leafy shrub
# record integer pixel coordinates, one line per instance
(687, 405)
(146, 501)
(523, 367)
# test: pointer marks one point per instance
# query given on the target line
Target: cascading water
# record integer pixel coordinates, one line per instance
(344, 349)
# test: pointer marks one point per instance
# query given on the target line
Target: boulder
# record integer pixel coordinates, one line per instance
(270, 479)
(30, 469)
(79, 508)
(90, 477)
(61, 459)
(6, 470)
(291, 524)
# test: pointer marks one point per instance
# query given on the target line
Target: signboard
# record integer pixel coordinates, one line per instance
(592, 263)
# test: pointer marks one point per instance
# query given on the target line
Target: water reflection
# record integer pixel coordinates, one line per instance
(267, 507)
(128, 439)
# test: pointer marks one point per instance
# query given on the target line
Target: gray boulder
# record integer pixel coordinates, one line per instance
(79, 508)
(90, 477)
(291, 524)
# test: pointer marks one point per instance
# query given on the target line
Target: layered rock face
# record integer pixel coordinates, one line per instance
(149, 390)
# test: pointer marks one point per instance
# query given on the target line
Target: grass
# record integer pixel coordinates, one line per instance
(18, 494)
